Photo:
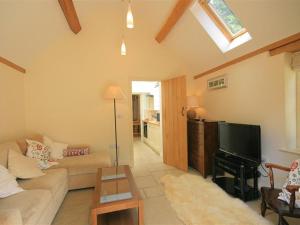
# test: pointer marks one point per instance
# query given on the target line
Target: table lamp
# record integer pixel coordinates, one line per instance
(193, 102)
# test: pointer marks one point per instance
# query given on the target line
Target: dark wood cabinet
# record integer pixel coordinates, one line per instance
(202, 145)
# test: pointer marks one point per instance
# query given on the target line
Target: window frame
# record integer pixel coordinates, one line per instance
(219, 23)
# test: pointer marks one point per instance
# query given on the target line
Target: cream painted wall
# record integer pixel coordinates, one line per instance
(255, 95)
(65, 84)
(12, 110)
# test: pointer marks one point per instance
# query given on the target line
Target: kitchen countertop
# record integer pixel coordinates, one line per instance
(154, 122)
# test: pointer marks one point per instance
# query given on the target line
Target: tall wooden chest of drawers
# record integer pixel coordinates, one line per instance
(202, 145)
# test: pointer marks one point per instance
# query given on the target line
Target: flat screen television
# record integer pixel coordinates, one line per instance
(240, 140)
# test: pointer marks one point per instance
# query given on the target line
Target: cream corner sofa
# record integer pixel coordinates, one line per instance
(40, 201)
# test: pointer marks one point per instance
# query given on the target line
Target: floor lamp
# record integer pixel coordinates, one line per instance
(114, 93)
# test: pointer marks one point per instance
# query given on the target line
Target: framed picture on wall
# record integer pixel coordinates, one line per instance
(217, 82)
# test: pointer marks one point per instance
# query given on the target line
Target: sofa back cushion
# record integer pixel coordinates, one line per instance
(23, 144)
(4, 148)
(23, 167)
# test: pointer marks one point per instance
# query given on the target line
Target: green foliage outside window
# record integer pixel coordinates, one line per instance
(226, 15)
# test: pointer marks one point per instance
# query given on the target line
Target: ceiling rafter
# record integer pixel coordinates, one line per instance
(271, 48)
(290, 47)
(12, 65)
(69, 11)
(179, 9)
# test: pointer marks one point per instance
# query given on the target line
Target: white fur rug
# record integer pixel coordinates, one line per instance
(200, 202)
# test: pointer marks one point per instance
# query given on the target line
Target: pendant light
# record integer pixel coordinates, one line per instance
(129, 17)
(123, 48)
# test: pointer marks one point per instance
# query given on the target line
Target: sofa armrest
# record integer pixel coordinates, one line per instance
(10, 216)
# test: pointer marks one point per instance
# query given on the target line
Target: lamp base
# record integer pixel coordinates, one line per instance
(191, 114)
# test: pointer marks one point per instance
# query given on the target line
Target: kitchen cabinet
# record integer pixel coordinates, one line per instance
(153, 139)
(149, 102)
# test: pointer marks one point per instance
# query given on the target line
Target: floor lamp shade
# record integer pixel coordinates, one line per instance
(114, 92)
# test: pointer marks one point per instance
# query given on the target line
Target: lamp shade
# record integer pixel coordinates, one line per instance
(129, 18)
(114, 92)
(193, 101)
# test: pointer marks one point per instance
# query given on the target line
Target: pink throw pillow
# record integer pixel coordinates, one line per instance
(76, 151)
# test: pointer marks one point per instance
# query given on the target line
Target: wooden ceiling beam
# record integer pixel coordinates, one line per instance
(12, 65)
(270, 47)
(175, 15)
(291, 47)
(69, 11)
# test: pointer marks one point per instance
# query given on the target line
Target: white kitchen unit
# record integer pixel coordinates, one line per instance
(153, 139)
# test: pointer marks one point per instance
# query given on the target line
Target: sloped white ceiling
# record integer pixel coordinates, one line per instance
(29, 27)
(266, 20)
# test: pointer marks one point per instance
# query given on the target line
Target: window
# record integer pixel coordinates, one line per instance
(291, 103)
(224, 18)
(296, 68)
(298, 109)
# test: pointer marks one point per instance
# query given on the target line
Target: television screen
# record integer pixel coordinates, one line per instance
(240, 140)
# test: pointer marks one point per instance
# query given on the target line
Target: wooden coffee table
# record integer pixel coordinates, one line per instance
(115, 199)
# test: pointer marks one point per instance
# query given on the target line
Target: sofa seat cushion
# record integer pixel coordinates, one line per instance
(85, 164)
(52, 181)
(10, 217)
(31, 204)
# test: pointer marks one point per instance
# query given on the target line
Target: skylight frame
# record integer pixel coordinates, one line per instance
(222, 26)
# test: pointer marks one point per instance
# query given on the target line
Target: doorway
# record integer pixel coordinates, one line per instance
(146, 115)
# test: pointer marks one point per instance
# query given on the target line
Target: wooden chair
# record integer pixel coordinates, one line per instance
(270, 198)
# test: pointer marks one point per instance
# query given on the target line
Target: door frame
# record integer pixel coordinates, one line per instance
(162, 104)
(131, 113)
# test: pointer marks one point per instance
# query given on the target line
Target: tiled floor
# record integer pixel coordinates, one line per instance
(147, 171)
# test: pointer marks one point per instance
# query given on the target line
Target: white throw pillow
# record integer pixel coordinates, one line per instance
(23, 167)
(38, 151)
(8, 183)
(56, 149)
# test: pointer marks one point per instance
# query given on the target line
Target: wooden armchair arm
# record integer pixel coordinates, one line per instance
(275, 166)
(292, 189)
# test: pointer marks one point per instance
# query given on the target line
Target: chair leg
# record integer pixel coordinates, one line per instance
(263, 206)
(285, 222)
(282, 221)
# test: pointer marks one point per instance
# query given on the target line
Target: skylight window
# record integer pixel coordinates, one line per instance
(223, 18)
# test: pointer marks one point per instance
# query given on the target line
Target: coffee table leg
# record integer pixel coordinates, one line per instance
(141, 212)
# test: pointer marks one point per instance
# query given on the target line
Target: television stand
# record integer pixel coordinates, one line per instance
(242, 171)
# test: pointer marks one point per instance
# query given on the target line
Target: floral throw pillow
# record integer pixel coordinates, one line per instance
(40, 152)
(293, 179)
